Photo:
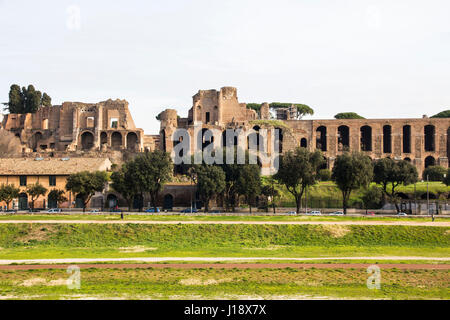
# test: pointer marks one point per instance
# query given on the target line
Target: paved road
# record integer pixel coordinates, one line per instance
(234, 265)
(207, 259)
(364, 222)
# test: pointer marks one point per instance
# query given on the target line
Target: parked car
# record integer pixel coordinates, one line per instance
(215, 211)
(292, 212)
(402, 214)
(337, 213)
(314, 213)
(371, 213)
(33, 210)
(152, 210)
(54, 210)
(94, 211)
(188, 210)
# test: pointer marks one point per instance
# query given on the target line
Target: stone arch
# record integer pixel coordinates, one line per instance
(116, 140)
(429, 138)
(132, 142)
(168, 202)
(429, 161)
(35, 140)
(279, 140)
(387, 139)
(303, 143)
(259, 139)
(343, 138)
(111, 201)
(321, 138)
(407, 138)
(204, 141)
(87, 140)
(23, 201)
(226, 143)
(103, 138)
(366, 138)
(407, 159)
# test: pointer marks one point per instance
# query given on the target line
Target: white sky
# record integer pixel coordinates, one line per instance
(382, 59)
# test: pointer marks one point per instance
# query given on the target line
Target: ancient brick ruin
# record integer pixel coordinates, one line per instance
(424, 141)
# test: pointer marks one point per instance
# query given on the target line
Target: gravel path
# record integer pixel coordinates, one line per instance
(235, 265)
(206, 259)
(364, 222)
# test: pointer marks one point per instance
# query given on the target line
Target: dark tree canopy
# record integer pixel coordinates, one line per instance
(86, 184)
(57, 196)
(26, 100)
(390, 174)
(447, 178)
(123, 183)
(348, 115)
(298, 170)
(302, 109)
(442, 114)
(151, 171)
(35, 191)
(8, 193)
(351, 172)
(249, 183)
(210, 182)
(434, 173)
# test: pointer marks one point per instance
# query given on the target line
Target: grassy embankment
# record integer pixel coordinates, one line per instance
(225, 283)
(50, 241)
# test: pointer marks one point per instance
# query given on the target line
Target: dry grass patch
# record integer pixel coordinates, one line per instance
(136, 249)
(336, 231)
(203, 282)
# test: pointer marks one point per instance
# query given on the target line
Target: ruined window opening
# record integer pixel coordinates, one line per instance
(87, 141)
(429, 132)
(207, 117)
(303, 143)
(366, 138)
(387, 139)
(279, 140)
(114, 123)
(90, 122)
(429, 161)
(321, 140)
(343, 138)
(116, 140)
(407, 139)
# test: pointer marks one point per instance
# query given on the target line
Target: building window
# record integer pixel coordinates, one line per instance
(23, 181)
(52, 181)
(114, 123)
(207, 117)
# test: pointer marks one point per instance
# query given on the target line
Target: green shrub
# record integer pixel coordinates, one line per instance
(434, 173)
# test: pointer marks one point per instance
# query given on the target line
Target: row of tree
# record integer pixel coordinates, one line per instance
(26, 99)
(9, 192)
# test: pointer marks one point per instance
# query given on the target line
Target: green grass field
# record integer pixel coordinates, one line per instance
(51, 241)
(201, 217)
(236, 283)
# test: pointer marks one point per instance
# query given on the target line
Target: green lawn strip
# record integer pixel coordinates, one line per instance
(32, 241)
(294, 252)
(225, 283)
(135, 217)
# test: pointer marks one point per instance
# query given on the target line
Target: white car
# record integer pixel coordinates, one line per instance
(54, 210)
(314, 213)
(337, 213)
(402, 214)
(292, 212)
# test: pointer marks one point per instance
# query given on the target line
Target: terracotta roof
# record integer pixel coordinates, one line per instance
(51, 166)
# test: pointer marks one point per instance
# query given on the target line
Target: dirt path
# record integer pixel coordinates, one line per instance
(206, 259)
(364, 222)
(235, 265)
